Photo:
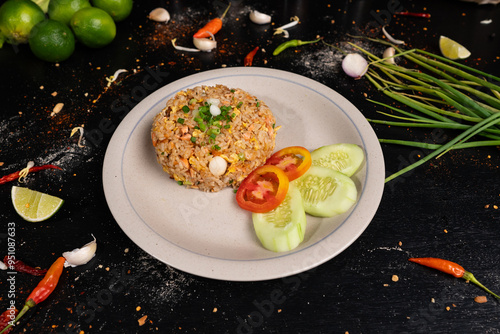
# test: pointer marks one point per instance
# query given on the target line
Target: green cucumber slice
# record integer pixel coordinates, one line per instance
(345, 158)
(283, 228)
(326, 192)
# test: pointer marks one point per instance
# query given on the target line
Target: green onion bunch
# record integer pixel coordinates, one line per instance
(442, 94)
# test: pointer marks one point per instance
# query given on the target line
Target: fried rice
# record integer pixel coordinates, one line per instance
(212, 137)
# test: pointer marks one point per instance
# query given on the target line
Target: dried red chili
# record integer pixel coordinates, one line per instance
(20, 266)
(424, 15)
(15, 175)
(7, 318)
(42, 290)
(249, 57)
(451, 268)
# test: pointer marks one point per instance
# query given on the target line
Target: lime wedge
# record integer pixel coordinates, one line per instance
(451, 49)
(34, 206)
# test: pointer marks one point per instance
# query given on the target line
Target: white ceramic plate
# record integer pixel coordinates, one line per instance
(207, 234)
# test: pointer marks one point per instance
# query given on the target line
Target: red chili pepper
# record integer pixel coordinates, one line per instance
(15, 175)
(6, 318)
(212, 27)
(451, 268)
(22, 267)
(48, 283)
(445, 266)
(42, 290)
(249, 57)
(424, 15)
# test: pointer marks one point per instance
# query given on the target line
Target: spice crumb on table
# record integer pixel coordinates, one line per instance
(481, 299)
(142, 320)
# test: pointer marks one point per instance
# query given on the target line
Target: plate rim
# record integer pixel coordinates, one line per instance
(142, 109)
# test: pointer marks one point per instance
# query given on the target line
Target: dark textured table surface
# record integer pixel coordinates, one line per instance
(447, 208)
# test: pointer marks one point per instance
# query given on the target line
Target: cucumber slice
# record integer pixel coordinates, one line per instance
(326, 192)
(283, 228)
(345, 158)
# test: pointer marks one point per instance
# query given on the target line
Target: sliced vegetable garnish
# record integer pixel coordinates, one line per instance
(345, 158)
(283, 228)
(326, 192)
(263, 189)
(293, 160)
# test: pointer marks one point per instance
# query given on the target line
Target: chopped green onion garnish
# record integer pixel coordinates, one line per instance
(185, 109)
(213, 132)
(225, 109)
(217, 147)
(193, 139)
(239, 105)
(180, 120)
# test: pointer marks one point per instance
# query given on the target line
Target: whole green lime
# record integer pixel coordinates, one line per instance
(63, 10)
(43, 4)
(17, 18)
(118, 9)
(52, 41)
(93, 27)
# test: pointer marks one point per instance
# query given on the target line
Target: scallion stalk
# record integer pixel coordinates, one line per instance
(440, 93)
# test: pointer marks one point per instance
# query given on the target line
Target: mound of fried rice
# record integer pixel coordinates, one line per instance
(186, 140)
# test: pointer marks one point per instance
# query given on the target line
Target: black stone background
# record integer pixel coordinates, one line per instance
(444, 209)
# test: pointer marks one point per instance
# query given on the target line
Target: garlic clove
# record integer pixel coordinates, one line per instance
(259, 18)
(204, 44)
(159, 15)
(389, 54)
(80, 256)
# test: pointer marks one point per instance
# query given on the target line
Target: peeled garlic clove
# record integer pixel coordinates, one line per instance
(80, 256)
(389, 54)
(159, 15)
(259, 18)
(204, 44)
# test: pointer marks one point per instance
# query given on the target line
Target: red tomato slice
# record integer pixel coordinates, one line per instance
(263, 189)
(293, 160)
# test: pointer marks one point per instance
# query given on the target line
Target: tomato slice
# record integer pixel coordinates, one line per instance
(293, 160)
(263, 189)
